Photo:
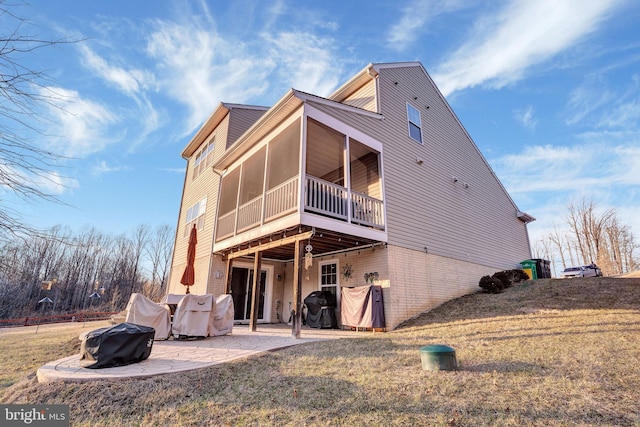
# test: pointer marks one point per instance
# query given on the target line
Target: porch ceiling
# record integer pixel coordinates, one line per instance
(323, 242)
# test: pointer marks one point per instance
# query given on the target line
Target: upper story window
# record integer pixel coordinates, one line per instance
(195, 215)
(204, 157)
(415, 123)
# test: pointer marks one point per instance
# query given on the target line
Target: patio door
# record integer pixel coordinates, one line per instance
(242, 291)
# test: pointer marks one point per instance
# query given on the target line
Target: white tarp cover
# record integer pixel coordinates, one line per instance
(224, 313)
(194, 316)
(362, 307)
(142, 311)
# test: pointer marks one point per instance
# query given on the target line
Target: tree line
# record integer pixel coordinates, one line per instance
(591, 236)
(83, 271)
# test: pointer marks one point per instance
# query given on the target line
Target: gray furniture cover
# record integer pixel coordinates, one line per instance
(362, 307)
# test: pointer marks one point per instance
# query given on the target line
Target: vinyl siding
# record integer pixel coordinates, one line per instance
(425, 208)
(206, 185)
(240, 121)
(364, 98)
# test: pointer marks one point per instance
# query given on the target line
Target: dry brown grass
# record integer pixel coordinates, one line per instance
(547, 353)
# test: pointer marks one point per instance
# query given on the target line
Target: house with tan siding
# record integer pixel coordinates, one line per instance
(379, 180)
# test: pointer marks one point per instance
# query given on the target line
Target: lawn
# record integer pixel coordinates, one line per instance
(547, 353)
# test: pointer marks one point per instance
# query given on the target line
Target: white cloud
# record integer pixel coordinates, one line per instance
(102, 168)
(526, 117)
(54, 183)
(79, 126)
(305, 61)
(504, 45)
(130, 81)
(624, 116)
(49, 182)
(589, 167)
(415, 19)
(591, 96)
(198, 68)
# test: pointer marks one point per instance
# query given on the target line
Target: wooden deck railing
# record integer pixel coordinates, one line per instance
(367, 210)
(325, 198)
(282, 199)
(250, 214)
(320, 197)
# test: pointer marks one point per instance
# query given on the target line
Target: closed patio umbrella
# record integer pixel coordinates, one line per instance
(188, 277)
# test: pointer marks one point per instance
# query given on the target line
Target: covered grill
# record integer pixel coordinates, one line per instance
(321, 310)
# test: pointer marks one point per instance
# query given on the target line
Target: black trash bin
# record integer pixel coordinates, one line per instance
(321, 310)
(117, 345)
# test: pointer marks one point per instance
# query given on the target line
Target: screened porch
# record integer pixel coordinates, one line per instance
(324, 173)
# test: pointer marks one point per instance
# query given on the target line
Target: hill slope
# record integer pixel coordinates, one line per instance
(548, 352)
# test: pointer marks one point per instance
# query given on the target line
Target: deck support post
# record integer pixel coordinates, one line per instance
(255, 293)
(297, 290)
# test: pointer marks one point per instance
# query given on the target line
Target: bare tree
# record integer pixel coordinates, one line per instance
(79, 265)
(558, 240)
(24, 166)
(598, 237)
(159, 252)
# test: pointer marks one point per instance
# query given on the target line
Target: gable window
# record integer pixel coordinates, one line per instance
(203, 159)
(329, 278)
(195, 215)
(415, 123)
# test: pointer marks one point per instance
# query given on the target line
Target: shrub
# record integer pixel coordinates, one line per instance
(502, 280)
(491, 284)
(504, 277)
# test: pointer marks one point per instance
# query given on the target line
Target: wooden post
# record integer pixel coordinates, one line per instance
(227, 276)
(297, 290)
(255, 295)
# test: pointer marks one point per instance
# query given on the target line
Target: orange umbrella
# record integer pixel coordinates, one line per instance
(188, 277)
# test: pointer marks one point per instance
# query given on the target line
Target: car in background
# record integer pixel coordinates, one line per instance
(591, 270)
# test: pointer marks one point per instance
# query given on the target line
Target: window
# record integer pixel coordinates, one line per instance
(195, 215)
(203, 159)
(415, 124)
(329, 278)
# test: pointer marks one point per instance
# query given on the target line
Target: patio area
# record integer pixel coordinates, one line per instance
(182, 355)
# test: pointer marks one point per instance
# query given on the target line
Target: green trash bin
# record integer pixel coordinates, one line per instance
(438, 357)
(530, 267)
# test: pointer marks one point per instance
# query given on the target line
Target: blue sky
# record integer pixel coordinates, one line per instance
(549, 90)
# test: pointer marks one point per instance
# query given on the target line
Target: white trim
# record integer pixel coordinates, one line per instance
(335, 261)
(318, 221)
(314, 113)
(307, 97)
(418, 125)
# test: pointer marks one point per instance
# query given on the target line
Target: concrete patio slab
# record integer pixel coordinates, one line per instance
(182, 355)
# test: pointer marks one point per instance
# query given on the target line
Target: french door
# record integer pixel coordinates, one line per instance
(242, 292)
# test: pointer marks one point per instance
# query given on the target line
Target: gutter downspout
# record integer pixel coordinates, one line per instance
(374, 75)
